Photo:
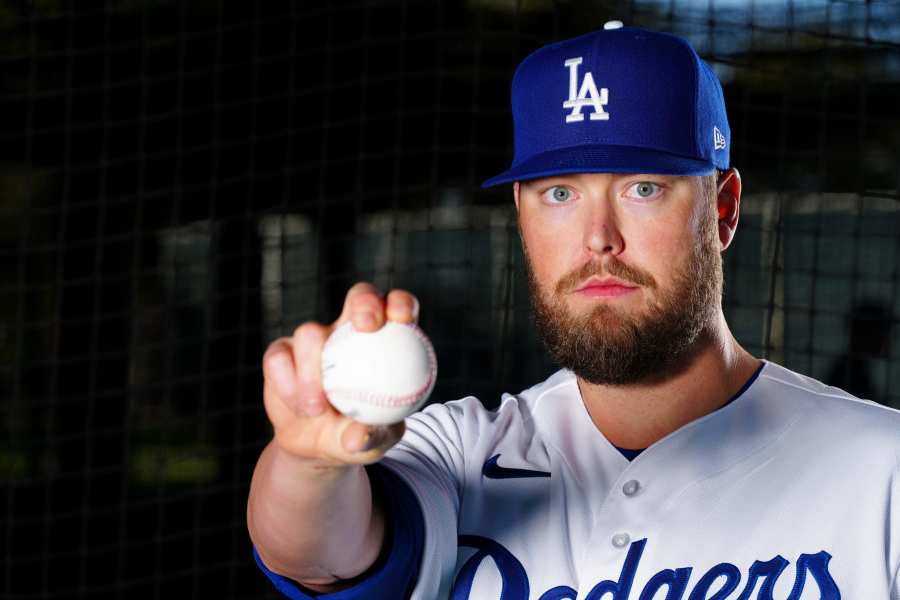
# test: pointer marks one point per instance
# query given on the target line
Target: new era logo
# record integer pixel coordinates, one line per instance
(718, 139)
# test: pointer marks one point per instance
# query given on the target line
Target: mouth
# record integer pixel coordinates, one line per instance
(606, 287)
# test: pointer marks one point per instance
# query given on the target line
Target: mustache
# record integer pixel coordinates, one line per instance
(611, 267)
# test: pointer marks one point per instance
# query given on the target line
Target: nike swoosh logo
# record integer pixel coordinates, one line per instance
(492, 470)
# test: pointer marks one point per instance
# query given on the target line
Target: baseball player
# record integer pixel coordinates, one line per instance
(662, 462)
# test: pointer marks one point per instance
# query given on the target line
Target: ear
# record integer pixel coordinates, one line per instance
(516, 194)
(728, 204)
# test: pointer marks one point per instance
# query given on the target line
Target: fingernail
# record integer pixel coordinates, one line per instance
(364, 444)
(365, 319)
(374, 438)
(404, 313)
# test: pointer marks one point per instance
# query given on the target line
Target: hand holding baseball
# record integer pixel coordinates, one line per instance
(306, 424)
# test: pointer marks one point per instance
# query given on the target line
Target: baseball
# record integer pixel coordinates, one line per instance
(379, 377)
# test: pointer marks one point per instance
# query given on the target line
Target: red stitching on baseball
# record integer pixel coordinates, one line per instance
(385, 400)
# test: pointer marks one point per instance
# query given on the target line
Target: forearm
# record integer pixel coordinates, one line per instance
(315, 525)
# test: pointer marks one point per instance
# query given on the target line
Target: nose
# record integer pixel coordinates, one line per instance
(603, 234)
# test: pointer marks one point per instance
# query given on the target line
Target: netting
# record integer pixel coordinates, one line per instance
(182, 182)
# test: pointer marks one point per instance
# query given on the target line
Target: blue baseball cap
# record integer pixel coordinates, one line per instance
(619, 100)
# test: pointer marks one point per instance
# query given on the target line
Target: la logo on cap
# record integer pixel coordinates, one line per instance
(586, 95)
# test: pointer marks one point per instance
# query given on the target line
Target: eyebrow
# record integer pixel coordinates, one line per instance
(531, 183)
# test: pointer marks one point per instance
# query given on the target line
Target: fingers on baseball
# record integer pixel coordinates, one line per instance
(402, 307)
(364, 307)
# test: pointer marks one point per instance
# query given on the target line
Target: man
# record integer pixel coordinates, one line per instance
(662, 462)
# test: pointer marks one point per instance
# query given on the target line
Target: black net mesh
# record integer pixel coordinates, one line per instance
(182, 182)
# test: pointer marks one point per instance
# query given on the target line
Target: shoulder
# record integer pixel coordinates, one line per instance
(796, 387)
(831, 412)
(521, 405)
(451, 441)
(467, 417)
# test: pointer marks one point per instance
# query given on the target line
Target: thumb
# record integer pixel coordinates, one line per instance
(359, 438)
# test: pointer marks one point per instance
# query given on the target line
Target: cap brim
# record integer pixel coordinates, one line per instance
(602, 159)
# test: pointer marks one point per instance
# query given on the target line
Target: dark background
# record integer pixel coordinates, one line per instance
(182, 182)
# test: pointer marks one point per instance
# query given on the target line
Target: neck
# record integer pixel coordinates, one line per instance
(637, 415)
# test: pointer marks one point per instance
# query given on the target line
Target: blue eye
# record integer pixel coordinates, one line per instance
(645, 189)
(560, 194)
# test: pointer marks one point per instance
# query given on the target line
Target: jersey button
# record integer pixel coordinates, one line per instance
(620, 540)
(631, 487)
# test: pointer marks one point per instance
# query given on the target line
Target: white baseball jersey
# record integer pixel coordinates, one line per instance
(789, 492)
